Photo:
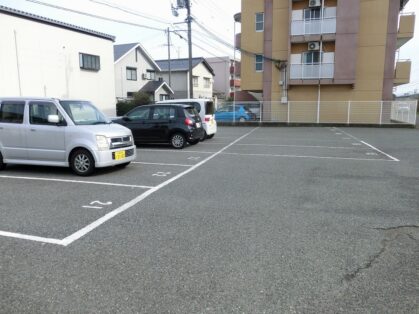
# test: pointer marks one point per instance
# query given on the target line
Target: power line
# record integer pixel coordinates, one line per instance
(96, 16)
(130, 11)
(221, 41)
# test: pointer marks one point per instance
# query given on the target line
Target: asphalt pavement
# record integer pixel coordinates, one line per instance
(255, 220)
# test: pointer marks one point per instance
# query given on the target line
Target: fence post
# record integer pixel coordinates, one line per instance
(349, 113)
(381, 113)
(288, 113)
(260, 111)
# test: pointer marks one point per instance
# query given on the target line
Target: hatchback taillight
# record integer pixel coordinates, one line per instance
(207, 119)
(188, 122)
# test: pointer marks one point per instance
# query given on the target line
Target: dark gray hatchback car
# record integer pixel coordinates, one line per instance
(176, 124)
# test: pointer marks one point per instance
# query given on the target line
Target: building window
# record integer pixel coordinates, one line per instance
(195, 81)
(164, 97)
(259, 20)
(130, 94)
(207, 82)
(89, 62)
(131, 74)
(259, 63)
(312, 14)
(311, 57)
(151, 75)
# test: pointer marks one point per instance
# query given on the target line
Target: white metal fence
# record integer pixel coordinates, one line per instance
(324, 112)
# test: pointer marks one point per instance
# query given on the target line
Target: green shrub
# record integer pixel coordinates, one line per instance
(139, 99)
(122, 107)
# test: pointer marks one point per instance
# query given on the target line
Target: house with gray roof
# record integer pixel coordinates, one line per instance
(42, 57)
(135, 70)
(202, 77)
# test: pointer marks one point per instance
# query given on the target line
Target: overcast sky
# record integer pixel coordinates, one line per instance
(215, 16)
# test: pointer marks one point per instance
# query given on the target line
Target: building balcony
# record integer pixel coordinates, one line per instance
(406, 29)
(402, 72)
(315, 71)
(306, 27)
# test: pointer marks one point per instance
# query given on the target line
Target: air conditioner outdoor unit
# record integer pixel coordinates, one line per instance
(314, 3)
(314, 45)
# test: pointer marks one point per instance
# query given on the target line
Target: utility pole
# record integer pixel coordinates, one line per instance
(182, 4)
(168, 54)
(189, 21)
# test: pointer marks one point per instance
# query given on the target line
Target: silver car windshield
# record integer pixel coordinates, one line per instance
(83, 113)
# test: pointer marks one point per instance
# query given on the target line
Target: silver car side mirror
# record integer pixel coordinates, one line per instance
(53, 118)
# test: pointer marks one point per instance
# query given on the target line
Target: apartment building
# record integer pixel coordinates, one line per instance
(323, 51)
(227, 76)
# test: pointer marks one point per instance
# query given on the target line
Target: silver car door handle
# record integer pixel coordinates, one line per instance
(33, 130)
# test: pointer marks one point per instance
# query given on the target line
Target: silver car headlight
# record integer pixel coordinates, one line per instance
(102, 142)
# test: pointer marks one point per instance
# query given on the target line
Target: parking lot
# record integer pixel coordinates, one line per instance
(257, 219)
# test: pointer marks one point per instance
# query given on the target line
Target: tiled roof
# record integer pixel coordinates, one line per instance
(120, 50)
(153, 86)
(46, 20)
(182, 65)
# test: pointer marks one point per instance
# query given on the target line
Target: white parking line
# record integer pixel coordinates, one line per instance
(303, 156)
(82, 232)
(369, 145)
(380, 151)
(297, 146)
(160, 164)
(185, 151)
(78, 181)
(29, 237)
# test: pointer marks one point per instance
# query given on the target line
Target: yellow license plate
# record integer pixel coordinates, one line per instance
(120, 155)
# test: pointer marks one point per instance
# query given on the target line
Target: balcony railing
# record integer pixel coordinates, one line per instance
(325, 24)
(312, 71)
(406, 28)
(402, 72)
(313, 27)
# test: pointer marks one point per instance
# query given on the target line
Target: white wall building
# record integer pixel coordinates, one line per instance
(49, 58)
(203, 77)
(135, 70)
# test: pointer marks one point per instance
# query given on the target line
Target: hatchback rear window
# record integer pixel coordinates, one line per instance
(209, 107)
(191, 112)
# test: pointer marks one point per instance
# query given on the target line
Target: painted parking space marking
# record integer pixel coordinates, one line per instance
(77, 181)
(30, 237)
(297, 146)
(90, 227)
(161, 174)
(102, 204)
(306, 156)
(183, 151)
(160, 164)
(194, 158)
(371, 146)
